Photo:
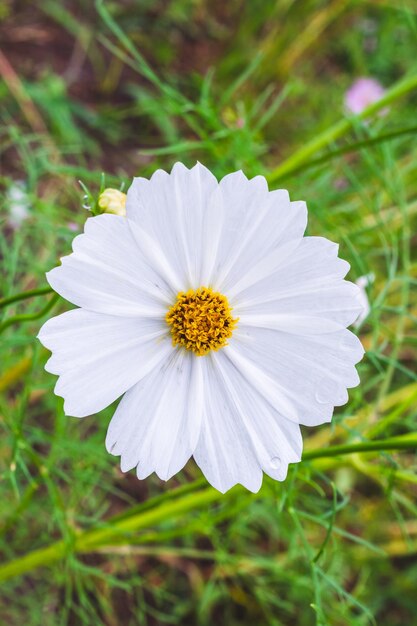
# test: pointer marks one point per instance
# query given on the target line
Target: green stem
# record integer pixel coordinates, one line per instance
(353, 147)
(88, 541)
(337, 130)
(30, 316)
(402, 442)
(24, 295)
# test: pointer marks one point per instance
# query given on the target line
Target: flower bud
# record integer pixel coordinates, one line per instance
(113, 201)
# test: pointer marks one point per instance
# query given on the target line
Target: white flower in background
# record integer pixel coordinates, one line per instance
(224, 327)
(113, 201)
(18, 203)
(363, 93)
(362, 283)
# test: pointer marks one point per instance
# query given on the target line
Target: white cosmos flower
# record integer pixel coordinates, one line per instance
(221, 323)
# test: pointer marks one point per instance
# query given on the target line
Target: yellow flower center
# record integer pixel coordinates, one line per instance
(201, 320)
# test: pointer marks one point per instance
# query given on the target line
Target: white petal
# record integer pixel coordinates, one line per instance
(158, 421)
(276, 441)
(109, 273)
(172, 209)
(265, 267)
(256, 223)
(270, 389)
(213, 225)
(312, 372)
(297, 325)
(312, 268)
(224, 451)
(99, 357)
(292, 329)
(320, 310)
(241, 199)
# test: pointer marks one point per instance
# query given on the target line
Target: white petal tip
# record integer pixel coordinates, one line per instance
(250, 486)
(110, 445)
(126, 465)
(50, 275)
(71, 411)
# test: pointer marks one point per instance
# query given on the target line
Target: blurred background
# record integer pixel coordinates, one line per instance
(92, 94)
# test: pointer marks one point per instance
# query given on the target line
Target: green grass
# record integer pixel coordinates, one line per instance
(103, 93)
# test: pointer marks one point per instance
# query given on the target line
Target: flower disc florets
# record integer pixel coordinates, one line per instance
(201, 320)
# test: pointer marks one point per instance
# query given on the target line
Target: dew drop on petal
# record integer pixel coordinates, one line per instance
(275, 462)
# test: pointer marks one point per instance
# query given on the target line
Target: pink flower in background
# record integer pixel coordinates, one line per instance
(362, 93)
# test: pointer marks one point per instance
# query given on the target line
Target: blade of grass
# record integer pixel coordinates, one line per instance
(353, 147)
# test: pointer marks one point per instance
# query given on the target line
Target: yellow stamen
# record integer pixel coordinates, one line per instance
(201, 320)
